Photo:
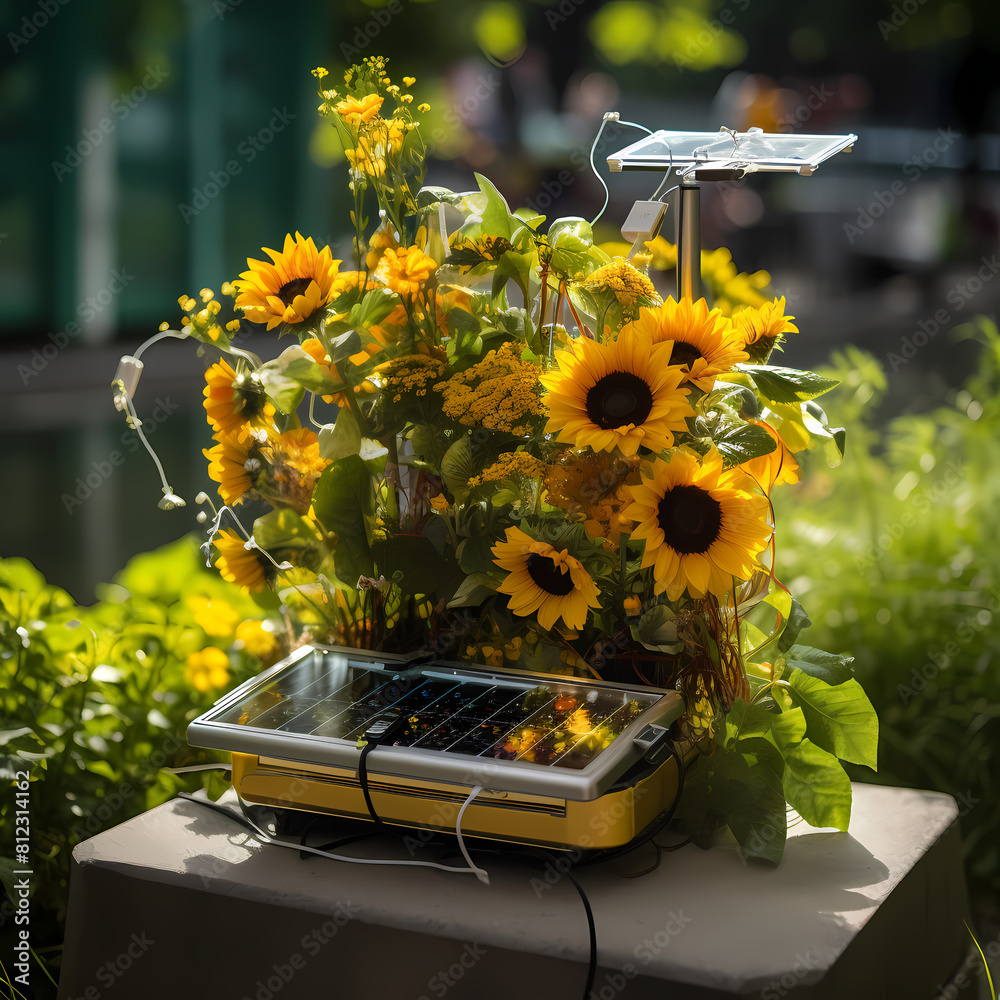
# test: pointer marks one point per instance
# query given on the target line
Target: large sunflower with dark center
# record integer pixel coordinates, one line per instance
(703, 526)
(545, 581)
(234, 399)
(625, 394)
(291, 286)
(706, 343)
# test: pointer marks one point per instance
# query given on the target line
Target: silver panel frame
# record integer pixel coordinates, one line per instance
(522, 777)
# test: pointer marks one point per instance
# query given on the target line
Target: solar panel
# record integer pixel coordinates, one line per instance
(753, 150)
(459, 721)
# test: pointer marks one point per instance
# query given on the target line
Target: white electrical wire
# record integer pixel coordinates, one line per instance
(480, 873)
(611, 116)
(266, 838)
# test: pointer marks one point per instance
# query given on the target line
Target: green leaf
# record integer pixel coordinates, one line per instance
(797, 621)
(744, 721)
(342, 438)
(657, 629)
(830, 667)
(787, 385)
(743, 443)
(473, 590)
(817, 786)
(788, 728)
(839, 719)
(283, 529)
(344, 501)
(458, 466)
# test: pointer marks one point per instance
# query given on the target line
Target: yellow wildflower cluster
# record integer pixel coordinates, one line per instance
(500, 393)
(630, 287)
(405, 271)
(411, 375)
(511, 465)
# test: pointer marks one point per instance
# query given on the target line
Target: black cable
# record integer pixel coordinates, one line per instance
(363, 780)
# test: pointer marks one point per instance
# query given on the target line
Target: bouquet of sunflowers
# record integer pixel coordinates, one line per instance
(490, 437)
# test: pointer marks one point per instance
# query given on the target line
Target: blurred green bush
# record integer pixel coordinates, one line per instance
(95, 701)
(896, 557)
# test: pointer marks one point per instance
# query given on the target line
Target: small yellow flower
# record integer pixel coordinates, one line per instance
(164, 325)
(409, 81)
(407, 98)
(215, 617)
(207, 295)
(207, 670)
(356, 112)
(632, 605)
(405, 271)
(256, 639)
(423, 108)
(439, 503)
(319, 72)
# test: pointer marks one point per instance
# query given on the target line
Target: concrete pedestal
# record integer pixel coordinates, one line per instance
(184, 902)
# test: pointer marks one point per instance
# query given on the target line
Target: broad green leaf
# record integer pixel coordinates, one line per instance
(458, 466)
(787, 385)
(788, 728)
(830, 667)
(839, 718)
(744, 443)
(657, 629)
(817, 786)
(342, 438)
(283, 529)
(744, 721)
(344, 500)
(473, 590)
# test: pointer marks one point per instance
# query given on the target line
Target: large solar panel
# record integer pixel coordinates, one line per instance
(317, 706)
(754, 149)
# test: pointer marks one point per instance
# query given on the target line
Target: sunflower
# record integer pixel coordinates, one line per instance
(291, 287)
(765, 324)
(706, 343)
(240, 565)
(541, 579)
(622, 394)
(235, 464)
(232, 400)
(702, 526)
(774, 468)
